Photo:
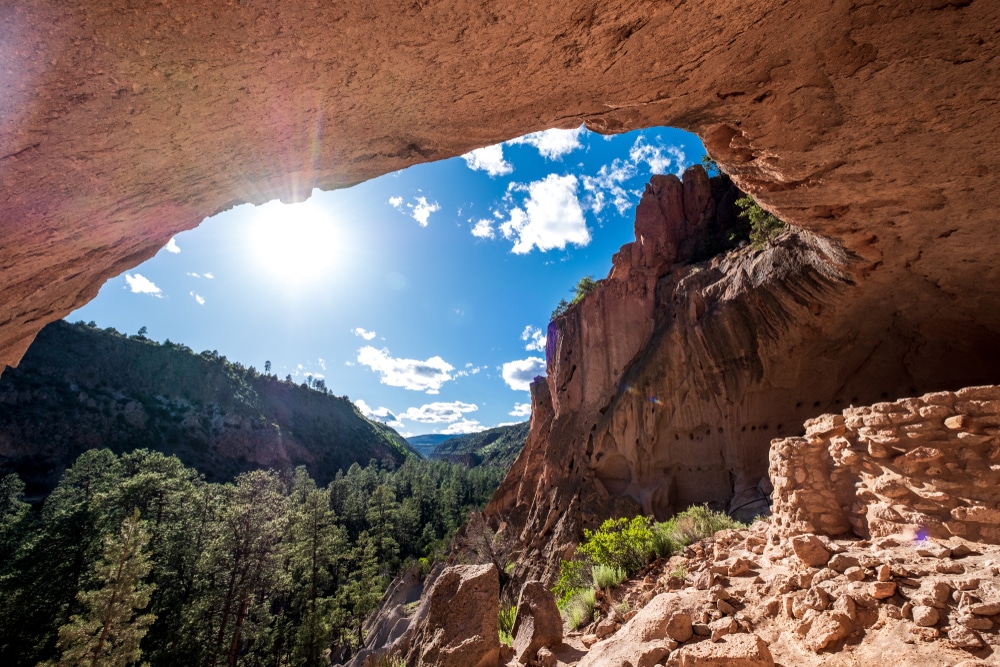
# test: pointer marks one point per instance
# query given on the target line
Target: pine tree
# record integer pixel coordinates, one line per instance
(107, 633)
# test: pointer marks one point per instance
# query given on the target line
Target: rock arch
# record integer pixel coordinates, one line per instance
(124, 122)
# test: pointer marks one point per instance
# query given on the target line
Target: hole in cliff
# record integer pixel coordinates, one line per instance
(423, 294)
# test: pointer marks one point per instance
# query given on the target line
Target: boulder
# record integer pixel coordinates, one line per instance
(810, 550)
(647, 638)
(537, 623)
(743, 650)
(459, 628)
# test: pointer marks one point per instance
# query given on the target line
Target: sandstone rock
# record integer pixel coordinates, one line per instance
(855, 574)
(881, 590)
(932, 549)
(537, 622)
(722, 627)
(842, 562)
(883, 573)
(964, 638)
(725, 607)
(739, 650)
(827, 629)
(810, 550)
(546, 658)
(986, 608)
(925, 617)
(976, 622)
(460, 628)
(679, 627)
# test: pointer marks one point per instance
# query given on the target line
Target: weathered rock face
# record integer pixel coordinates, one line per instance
(919, 466)
(666, 385)
(537, 623)
(122, 124)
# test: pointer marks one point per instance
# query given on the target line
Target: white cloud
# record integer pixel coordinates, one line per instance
(535, 339)
(367, 335)
(551, 217)
(194, 275)
(411, 374)
(521, 410)
(381, 414)
(657, 157)
(396, 202)
(483, 229)
(488, 159)
(422, 211)
(322, 364)
(519, 374)
(552, 144)
(172, 246)
(140, 284)
(200, 299)
(607, 185)
(208, 275)
(463, 427)
(438, 413)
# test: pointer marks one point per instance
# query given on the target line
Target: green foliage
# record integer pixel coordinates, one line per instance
(107, 632)
(696, 523)
(680, 572)
(620, 543)
(268, 569)
(665, 542)
(579, 609)
(574, 576)
(585, 286)
(505, 624)
(763, 226)
(710, 165)
(606, 577)
(393, 660)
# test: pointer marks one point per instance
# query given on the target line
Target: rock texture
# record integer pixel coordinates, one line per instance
(537, 623)
(922, 466)
(122, 124)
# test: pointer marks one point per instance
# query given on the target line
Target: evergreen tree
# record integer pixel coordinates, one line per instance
(107, 633)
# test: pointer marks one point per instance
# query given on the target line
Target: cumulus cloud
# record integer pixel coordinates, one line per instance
(200, 299)
(550, 218)
(140, 284)
(172, 246)
(519, 374)
(657, 156)
(381, 414)
(208, 275)
(439, 413)
(367, 335)
(535, 339)
(552, 144)
(422, 211)
(483, 229)
(411, 374)
(606, 187)
(489, 159)
(463, 427)
(521, 410)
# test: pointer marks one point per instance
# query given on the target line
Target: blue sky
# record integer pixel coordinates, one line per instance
(423, 295)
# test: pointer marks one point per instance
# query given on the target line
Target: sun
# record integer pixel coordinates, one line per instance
(297, 245)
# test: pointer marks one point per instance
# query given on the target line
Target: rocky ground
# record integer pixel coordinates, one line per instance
(746, 597)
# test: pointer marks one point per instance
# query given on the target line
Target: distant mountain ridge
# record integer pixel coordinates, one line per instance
(496, 447)
(79, 388)
(426, 444)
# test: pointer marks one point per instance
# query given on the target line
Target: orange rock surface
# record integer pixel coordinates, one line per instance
(123, 123)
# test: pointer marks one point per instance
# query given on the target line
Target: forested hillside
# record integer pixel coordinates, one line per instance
(79, 388)
(495, 447)
(138, 556)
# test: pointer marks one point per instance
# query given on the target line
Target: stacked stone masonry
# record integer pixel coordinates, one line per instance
(927, 466)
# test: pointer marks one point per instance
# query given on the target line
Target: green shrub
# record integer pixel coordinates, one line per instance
(393, 660)
(580, 608)
(586, 285)
(698, 522)
(606, 577)
(763, 225)
(620, 543)
(574, 576)
(505, 625)
(665, 543)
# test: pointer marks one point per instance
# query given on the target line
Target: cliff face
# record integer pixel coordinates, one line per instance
(80, 388)
(666, 385)
(124, 123)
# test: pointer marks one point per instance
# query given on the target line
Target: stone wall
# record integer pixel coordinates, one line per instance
(927, 466)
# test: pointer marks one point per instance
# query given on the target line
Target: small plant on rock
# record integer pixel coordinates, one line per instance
(580, 609)
(763, 226)
(505, 625)
(606, 577)
(620, 543)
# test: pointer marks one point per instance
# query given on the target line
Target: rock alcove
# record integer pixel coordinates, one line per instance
(874, 125)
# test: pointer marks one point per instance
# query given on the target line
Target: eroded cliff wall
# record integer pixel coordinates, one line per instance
(122, 123)
(666, 386)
